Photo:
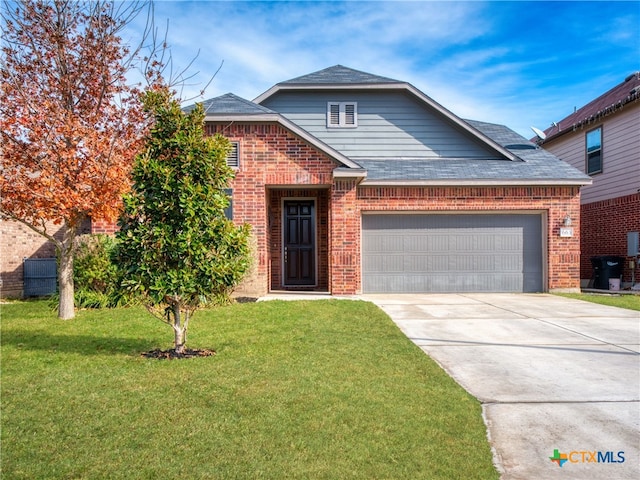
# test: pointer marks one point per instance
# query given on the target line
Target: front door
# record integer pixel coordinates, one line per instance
(299, 243)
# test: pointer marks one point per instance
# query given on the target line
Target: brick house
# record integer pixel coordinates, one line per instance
(602, 139)
(355, 183)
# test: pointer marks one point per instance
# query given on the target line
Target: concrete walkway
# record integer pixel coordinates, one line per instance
(551, 374)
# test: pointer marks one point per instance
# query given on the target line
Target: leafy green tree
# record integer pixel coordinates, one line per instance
(176, 247)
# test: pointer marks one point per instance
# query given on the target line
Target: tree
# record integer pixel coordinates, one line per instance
(176, 247)
(71, 125)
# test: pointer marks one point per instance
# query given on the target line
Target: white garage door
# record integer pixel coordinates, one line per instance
(421, 253)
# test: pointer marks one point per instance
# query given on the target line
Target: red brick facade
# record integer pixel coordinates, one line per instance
(604, 231)
(101, 226)
(275, 164)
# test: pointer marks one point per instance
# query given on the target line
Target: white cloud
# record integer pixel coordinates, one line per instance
(265, 43)
(465, 55)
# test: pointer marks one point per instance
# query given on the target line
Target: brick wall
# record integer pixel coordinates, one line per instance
(274, 164)
(18, 242)
(273, 159)
(563, 254)
(604, 231)
(102, 226)
(345, 239)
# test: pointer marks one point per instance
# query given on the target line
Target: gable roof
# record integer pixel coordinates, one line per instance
(520, 162)
(339, 77)
(606, 104)
(232, 108)
(231, 104)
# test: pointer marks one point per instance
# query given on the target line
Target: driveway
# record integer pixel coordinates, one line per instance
(557, 378)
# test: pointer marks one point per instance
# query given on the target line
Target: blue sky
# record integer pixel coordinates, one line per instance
(515, 63)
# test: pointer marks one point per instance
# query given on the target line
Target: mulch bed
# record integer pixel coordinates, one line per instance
(172, 355)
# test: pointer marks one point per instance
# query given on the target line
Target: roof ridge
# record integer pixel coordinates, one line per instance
(338, 74)
(231, 103)
(603, 105)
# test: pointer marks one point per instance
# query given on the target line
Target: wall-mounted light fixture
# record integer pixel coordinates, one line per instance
(566, 230)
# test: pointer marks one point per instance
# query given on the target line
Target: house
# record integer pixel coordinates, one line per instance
(354, 182)
(602, 139)
(358, 183)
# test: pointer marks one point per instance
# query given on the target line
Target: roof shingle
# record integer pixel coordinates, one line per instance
(537, 165)
(339, 74)
(606, 104)
(231, 104)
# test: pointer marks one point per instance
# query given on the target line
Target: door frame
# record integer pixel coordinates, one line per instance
(313, 200)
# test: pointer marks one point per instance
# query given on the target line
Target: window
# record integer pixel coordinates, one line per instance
(233, 159)
(228, 212)
(594, 151)
(342, 114)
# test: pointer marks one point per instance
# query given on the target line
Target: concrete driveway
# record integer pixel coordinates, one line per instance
(557, 378)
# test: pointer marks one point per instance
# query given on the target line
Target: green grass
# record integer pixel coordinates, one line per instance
(631, 302)
(302, 390)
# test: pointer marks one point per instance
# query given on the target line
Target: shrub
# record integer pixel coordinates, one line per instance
(94, 272)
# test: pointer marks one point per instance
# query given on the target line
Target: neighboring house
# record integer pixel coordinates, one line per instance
(602, 139)
(355, 183)
(18, 242)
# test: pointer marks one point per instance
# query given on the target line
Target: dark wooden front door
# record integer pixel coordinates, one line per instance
(299, 243)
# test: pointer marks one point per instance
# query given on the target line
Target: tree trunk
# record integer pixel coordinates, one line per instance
(179, 329)
(180, 340)
(66, 307)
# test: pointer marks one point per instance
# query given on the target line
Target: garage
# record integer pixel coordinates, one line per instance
(457, 253)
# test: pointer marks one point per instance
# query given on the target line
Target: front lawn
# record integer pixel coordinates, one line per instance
(302, 390)
(630, 302)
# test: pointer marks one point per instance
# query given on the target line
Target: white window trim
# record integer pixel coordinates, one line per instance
(342, 114)
(600, 170)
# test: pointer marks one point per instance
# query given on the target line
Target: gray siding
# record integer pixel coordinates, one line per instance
(390, 125)
(621, 155)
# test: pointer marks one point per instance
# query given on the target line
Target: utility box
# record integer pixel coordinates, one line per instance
(633, 244)
(40, 276)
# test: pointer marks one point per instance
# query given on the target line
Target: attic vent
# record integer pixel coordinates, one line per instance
(233, 158)
(521, 146)
(334, 114)
(342, 114)
(350, 114)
